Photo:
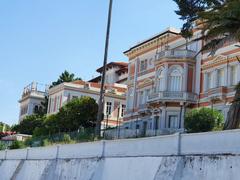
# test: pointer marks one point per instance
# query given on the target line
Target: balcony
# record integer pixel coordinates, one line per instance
(218, 93)
(169, 96)
(34, 93)
(176, 54)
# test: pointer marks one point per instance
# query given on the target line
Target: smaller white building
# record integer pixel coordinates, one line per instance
(116, 72)
(16, 137)
(114, 98)
(32, 97)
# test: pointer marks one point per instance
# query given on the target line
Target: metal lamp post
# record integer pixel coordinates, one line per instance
(102, 91)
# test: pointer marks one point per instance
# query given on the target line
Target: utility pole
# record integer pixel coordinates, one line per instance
(102, 91)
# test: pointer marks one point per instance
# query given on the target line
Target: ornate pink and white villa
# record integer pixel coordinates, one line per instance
(167, 77)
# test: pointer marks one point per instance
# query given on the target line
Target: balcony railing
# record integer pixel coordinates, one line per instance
(177, 53)
(217, 93)
(34, 93)
(171, 96)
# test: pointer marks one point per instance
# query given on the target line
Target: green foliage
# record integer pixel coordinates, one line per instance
(78, 116)
(65, 77)
(83, 135)
(3, 146)
(189, 12)
(4, 127)
(220, 20)
(46, 142)
(17, 145)
(78, 113)
(28, 124)
(50, 126)
(66, 138)
(203, 120)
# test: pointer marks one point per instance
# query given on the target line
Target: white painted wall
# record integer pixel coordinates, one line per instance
(221, 142)
(207, 156)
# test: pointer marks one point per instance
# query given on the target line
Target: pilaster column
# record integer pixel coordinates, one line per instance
(238, 72)
(225, 76)
(185, 77)
(165, 77)
(135, 83)
(163, 118)
(229, 78)
(152, 117)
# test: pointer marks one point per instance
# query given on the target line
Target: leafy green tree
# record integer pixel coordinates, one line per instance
(80, 112)
(203, 120)
(219, 23)
(28, 124)
(4, 127)
(50, 126)
(65, 77)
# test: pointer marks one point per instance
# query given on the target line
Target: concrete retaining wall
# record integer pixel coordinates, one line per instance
(207, 156)
(222, 142)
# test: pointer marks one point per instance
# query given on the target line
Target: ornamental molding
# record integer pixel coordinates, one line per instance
(146, 82)
(153, 44)
(216, 60)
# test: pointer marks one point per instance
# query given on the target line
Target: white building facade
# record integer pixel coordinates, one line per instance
(115, 93)
(115, 98)
(32, 98)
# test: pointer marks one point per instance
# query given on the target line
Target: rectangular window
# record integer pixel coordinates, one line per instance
(210, 80)
(173, 121)
(143, 65)
(74, 97)
(123, 110)
(109, 108)
(147, 93)
(141, 97)
(233, 75)
(221, 77)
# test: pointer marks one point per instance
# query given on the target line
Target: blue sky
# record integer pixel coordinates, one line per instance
(40, 39)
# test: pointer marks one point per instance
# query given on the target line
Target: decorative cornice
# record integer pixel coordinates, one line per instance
(150, 45)
(218, 60)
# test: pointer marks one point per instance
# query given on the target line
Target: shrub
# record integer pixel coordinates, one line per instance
(46, 142)
(2, 146)
(203, 120)
(17, 145)
(66, 138)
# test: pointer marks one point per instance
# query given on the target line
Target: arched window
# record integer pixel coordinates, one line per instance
(160, 80)
(175, 79)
